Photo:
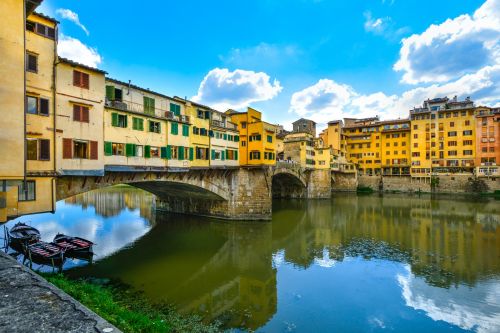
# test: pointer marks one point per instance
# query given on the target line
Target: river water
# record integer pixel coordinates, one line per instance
(350, 264)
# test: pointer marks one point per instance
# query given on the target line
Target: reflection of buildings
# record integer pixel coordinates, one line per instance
(446, 241)
(111, 201)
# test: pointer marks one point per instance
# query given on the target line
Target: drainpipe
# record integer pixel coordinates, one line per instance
(25, 163)
(54, 103)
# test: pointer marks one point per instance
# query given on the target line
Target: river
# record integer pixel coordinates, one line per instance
(355, 263)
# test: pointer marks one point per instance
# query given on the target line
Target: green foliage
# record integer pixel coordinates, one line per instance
(434, 182)
(476, 185)
(129, 311)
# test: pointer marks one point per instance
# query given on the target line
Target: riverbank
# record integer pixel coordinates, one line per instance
(127, 310)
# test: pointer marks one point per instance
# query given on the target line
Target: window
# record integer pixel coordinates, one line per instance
(80, 149)
(255, 155)
(137, 124)
(118, 149)
(270, 138)
(139, 151)
(243, 124)
(149, 105)
(243, 143)
(467, 122)
(27, 193)
(80, 113)
(453, 133)
(415, 136)
(467, 143)
(467, 152)
(452, 124)
(469, 132)
(185, 130)
(175, 109)
(450, 153)
(452, 143)
(255, 137)
(174, 128)
(80, 79)
(201, 153)
(387, 144)
(38, 149)
(31, 62)
(41, 29)
(201, 114)
(114, 94)
(37, 105)
(155, 152)
(415, 127)
(119, 120)
(154, 126)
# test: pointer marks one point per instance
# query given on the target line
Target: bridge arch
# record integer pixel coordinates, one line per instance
(289, 182)
(192, 184)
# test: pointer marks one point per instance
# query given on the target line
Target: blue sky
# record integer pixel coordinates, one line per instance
(321, 59)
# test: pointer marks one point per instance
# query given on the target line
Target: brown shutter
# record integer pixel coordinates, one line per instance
(85, 114)
(76, 78)
(76, 113)
(93, 150)
(44, 106)
(44, 150)
(85, 80)
(67, 148)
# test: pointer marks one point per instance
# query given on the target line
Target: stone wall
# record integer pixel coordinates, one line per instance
(319, 185)
(250, 198)
(344, 181)
(372, 182)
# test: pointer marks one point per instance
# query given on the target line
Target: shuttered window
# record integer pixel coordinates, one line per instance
(185, 130)
(67, 148)
(175, 108)
(44, 154)
(149, 105)
(44, 106)
(180, 155)
(191, 153)
(94, 155)
(137, 124)
(80, 113)
(108, 148)
(147, 151)
(37, 105)
(31, 62)
(110, 93)
(32, 149)
(130, 150)
(80, 79)
(27, 193)
(174, 128)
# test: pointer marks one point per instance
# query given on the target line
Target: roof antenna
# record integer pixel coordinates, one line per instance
(128, 92)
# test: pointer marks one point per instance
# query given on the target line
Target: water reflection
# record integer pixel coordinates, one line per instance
(355, 263)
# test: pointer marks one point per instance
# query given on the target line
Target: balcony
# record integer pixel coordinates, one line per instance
(222, 124)
(139, 108)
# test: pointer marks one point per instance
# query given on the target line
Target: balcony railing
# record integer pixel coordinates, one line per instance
(226, 124)
(139, 108)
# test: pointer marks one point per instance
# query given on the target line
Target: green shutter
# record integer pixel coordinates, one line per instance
(185, 130)
(114, 119)
(174, 129)
(147, 151)
(181, 153)
(129, 149)
(163, 152)
(149, 105)
(108, 148)
(236, 138)
(191, 153)
(235, 155)
(213, 154)
(152, 106)
(141, 124)
(222, 153)
(126, 121)
(110, 93)
(169, 152)
(225, 136)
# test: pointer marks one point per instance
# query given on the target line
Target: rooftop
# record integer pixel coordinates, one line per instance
(77, 64)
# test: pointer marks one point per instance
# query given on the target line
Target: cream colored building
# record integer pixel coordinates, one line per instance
(80, 114)
(224, 141)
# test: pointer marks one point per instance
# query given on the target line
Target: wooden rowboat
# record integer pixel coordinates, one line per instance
(74, 247)
(21, 235)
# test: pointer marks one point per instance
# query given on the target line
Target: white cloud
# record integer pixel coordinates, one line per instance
(375, 25)
(383, 26)
(223, 89)
(73, 17)
(328, 100)
(458, 46)
(74, 49)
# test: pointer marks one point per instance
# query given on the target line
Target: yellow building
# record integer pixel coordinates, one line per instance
(322, 154)
(334, 137)
(299, 148)
(199, 134)
(224, 141)
(257, 138)
(442, 137)
(80, 114)
(363, 144)
(395, 143)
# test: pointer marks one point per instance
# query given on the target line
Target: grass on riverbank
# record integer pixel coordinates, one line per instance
(129, 311)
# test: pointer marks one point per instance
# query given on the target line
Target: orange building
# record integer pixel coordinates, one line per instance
(487, 142)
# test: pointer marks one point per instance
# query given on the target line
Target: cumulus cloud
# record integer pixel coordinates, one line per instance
(223, 89)
(73, 17)
(456, 47)
(328, 100)
(74, 49)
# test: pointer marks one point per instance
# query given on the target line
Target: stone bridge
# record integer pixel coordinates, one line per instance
(239, 193)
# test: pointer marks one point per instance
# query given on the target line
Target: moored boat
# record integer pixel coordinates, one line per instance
(44, 253)
(74, 247)
(22, 235)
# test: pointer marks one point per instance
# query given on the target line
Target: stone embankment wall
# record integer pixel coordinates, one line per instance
(458, 183)
(319, 184)
(344, 181)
